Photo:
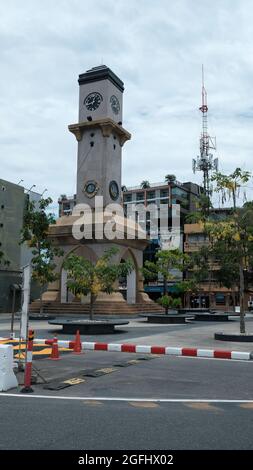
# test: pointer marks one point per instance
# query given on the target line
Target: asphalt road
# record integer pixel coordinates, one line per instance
(206, 403)
(122, 409)
(160, 377)
(64, 424)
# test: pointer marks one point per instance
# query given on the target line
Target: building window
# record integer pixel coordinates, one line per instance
(197, 238)
(220, 299)
(140, 196)
(164, 201)
(179, 192)
(151, 195)
(164, 193)
(127, 197)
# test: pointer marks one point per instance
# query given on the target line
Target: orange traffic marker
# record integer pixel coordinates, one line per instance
(78, 344)
(55, 350)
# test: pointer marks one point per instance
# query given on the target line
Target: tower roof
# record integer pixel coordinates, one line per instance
(102, 72)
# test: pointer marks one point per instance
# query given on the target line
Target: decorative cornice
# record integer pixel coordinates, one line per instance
(107, 126)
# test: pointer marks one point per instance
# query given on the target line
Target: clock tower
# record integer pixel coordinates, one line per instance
(100, 136)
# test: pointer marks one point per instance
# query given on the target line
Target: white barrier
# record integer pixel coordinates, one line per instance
(7, 377)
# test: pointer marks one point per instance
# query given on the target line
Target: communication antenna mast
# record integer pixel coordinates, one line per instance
(205, 161)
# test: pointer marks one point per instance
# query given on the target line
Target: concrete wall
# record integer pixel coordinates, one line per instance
(13, 201)
(8, 278)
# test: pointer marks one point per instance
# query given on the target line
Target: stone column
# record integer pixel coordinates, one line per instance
(131, 287)
(64, 277)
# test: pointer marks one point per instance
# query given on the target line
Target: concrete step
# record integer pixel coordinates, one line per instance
(100, 308)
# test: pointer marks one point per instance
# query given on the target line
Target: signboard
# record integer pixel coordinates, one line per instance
(170, 239)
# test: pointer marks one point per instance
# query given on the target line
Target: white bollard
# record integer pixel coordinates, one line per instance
(7, 377)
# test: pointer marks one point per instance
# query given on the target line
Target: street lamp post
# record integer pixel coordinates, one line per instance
(43, 193)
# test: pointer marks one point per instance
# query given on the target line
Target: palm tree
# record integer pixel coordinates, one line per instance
(170, 178)
(145, 184)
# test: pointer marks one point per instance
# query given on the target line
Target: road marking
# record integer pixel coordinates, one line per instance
(107, 370)
(143, 404)
(93, 403)
(124, 399)
(212, 359)
(247, 406)
(202, 406)
(74, 381)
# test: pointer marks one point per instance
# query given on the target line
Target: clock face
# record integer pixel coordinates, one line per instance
(93, 101)
(115, 104)
(114, 190)
(91, 188)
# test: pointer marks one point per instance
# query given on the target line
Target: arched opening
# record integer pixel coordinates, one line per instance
(66, 295)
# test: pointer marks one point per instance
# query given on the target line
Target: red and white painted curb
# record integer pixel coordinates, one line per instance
(143, 349)
(168, 351)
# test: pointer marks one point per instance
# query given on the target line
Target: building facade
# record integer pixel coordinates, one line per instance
(211, 294)
(172, 192)
(66, 204)
(13, 202)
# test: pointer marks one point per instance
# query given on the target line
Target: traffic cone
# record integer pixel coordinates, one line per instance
(78, 344)
(55, 350)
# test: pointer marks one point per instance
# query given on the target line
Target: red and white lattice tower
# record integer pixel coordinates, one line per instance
(205, 161)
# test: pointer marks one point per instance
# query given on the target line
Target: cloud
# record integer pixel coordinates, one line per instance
(157, 48)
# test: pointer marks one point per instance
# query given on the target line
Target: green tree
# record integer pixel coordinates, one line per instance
(86, 277)
(187, 286)
(145, 184)
(35, 235)
(170, 179)
(232, 245)
(165, 262)
(230, 239)
(227, 274)
(166, 301)
(230, 185)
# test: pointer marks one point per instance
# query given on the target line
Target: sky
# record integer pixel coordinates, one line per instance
(157, 48)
